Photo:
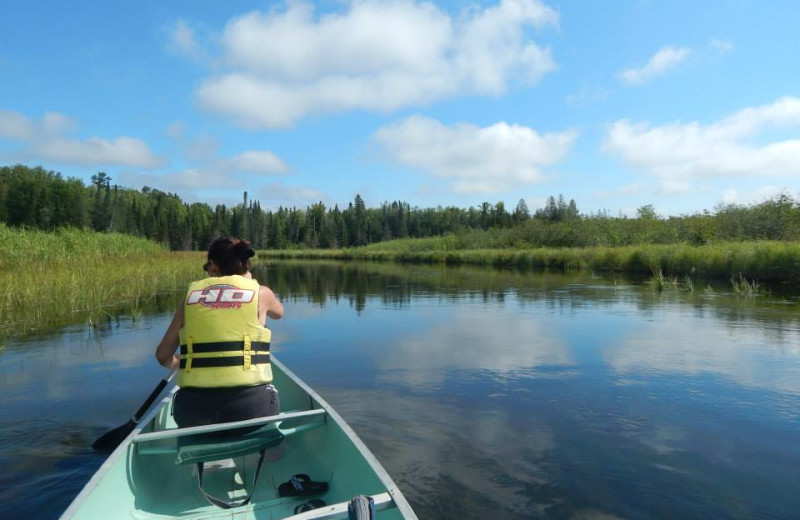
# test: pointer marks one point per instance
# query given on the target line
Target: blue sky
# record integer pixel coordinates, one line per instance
(682, 105)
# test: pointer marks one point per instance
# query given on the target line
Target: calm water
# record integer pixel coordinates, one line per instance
(485, 394)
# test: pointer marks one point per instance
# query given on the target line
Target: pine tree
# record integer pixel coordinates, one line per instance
(521, 212)
(3, 196)
(102, 201)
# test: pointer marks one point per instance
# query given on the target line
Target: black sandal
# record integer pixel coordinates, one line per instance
(301, 485)
(312, 504)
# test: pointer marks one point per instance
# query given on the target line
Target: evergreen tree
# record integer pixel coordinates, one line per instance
(358, 233)
(102, 201)
(35, 197)
(3, 197)
(572, 210)
(521, 212)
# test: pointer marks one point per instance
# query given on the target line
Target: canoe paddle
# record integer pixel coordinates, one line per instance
(110, 440)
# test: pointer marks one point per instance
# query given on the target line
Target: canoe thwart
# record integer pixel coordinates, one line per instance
(197, 430)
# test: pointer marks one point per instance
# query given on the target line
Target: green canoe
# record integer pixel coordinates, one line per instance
(153, 474)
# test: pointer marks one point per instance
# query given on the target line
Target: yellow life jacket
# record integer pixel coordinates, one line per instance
(222, 342)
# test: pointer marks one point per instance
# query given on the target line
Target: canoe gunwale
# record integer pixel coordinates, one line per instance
(123, 447)
(397, 496)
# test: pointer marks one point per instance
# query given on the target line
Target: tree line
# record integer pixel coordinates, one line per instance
(38, 198)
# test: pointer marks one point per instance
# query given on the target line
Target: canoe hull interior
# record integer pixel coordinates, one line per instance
(141, 480)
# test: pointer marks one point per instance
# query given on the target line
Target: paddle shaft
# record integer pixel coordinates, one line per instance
(152, 397)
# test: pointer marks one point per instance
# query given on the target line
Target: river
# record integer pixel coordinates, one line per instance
(484, 393)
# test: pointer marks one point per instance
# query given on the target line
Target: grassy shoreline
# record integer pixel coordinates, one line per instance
(764, 260)
(74, 276)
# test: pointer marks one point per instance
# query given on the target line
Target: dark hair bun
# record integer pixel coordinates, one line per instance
(231, 255)
(243, 250)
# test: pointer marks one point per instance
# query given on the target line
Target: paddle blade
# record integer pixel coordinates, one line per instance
(110, 440)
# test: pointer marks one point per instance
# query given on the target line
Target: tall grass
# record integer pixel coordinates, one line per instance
(761, 260)
(744, 287)
(71, 276)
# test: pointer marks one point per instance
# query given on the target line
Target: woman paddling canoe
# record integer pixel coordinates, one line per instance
(224, 372)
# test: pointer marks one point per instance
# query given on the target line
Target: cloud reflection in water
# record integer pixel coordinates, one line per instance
(752, 357)
(472, 342)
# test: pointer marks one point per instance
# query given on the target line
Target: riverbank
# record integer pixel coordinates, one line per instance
(75, 276)
(763, 260)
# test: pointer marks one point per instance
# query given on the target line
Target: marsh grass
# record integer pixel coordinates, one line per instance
(744, 287)
(762, 260)
(661, 282)
(74, 276)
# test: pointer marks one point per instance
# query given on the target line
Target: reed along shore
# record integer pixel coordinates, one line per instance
(75, 276)
(768, 261)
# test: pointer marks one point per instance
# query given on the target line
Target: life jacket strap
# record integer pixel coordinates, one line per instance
(227, 361)
(247, 353)
(187, 363)
(223, 346)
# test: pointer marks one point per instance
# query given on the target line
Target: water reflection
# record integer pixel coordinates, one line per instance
(473, 340)
(752, 357)
(485, 393)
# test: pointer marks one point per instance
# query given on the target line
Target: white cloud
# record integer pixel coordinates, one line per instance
(634, 188)
(730, 147)
(202, 149)
(183, 37)
(766, 192)
(730, 196)
(479, 160)
(721, 46)
(259, 161)
(662, 61)
(758, 195)
(673, 187)
(226, 176)
(279, 194)
(377, 55)
(14, 125)
(54, 123)
(122, 151)
(188, 180)
(182, 40)
(45, 140)
(223, 183)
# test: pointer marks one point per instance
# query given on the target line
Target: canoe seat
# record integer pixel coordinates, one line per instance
(205, 448)
(199, 449)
